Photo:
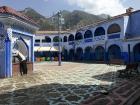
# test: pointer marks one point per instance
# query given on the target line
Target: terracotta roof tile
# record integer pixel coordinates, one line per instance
(5, 9)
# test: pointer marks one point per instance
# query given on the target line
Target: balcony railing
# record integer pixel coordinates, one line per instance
(99, 38)
(87, 40)
(114, 36)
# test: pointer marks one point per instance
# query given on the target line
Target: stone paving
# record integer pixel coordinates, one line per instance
(50, 84)
(127, 93)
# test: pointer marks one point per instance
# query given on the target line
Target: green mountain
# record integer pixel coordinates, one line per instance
(72, 19)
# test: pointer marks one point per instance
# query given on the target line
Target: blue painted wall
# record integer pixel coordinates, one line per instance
(8, 59)
(133, 28)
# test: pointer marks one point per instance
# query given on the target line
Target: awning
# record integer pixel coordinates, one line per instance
(55, 49)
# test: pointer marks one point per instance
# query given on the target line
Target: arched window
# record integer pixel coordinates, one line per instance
(65, 39)
(47, 39)
(78, 36)
(71, 37)
(56, 39)
(114, 28)
(88, 34)
(99, 31)
(37, 41)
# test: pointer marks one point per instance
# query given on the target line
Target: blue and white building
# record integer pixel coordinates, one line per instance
(115, 40)
(16, 31)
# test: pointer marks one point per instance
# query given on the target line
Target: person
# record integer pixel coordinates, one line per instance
(22, 60)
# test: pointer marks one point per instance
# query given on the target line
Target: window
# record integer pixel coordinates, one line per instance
(65, 39)
(114, 28)
(37, 40)
(56, 39)
(88, 34)
(47, 39)
(78, 36)
(99, 31)
(71, 37)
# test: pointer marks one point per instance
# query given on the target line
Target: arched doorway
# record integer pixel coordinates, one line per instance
(114, 52)
(79, 54)
(88, 53)
(22, 47)
(65, 39)
(65, 55)
(136, 51)
(99, 53)
(71, 54)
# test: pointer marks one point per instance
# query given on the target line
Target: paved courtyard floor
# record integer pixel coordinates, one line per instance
(50, 84)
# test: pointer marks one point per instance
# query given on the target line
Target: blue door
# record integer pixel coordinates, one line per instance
(79, 54)
(136, 51)
(99, 53)
(71, 54)
(88, 53)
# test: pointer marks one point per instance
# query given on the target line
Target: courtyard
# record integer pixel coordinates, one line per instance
(51, 84)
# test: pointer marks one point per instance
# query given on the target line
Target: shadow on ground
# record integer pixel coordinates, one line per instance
(106, 76)
(48, 94)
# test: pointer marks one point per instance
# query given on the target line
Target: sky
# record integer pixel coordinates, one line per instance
(50, 7)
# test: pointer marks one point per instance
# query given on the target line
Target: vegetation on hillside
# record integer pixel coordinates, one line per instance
(73, 19)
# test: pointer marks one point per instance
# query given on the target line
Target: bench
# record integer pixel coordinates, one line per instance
(130, 68)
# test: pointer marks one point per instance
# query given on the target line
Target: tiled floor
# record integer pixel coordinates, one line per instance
(50, 84)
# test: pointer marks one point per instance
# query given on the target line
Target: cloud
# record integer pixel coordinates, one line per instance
(111, 7)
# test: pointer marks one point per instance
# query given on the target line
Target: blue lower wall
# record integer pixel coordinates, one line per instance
(8, 59)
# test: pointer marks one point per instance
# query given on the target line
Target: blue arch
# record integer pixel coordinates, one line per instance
(25, 45)
(114, 52)
(114, 28)
(56, 39)
(71, 37)
(65, 53)
(88, 34)
(79, 53)
(48, 39)
(65, 39)
(71, 54)
(78, 36)
(88, 53)
(99, 31)
(99, 53)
